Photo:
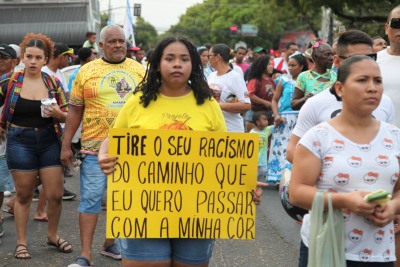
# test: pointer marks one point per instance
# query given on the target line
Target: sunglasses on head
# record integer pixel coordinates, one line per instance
(373, 56)
(394, 23)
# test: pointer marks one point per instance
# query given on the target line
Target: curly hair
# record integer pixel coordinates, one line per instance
(38, 40)
(151, 83)
(258, 68)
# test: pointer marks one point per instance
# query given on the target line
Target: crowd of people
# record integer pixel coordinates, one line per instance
(330, 114)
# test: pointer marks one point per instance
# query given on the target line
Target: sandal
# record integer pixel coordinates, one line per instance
(9, 211)
(61, 245)
(19, 252)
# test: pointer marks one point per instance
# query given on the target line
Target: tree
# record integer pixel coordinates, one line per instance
(211, 21)
(368, 15)
(145, 34)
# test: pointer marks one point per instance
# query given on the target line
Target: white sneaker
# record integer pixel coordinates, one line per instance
(7, 193)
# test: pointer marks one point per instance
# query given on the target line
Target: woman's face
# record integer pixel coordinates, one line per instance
(204, 58)
(363, 87)
(324, 57)
(175, 64)
(34, 59)
(270, 68)
(294, 67)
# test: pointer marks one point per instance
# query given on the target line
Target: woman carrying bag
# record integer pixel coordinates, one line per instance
(350, 156)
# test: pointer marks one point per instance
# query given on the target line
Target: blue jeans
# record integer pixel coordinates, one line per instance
(188, 251)
(303, 260)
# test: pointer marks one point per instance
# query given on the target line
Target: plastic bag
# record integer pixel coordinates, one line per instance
(326, 243)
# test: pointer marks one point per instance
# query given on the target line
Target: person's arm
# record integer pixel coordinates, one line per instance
(386, 214)
(298, 99)
(291, 147)
(306, 170)
(274, 103)
(237, 107)
(255, 99)
(74, 118)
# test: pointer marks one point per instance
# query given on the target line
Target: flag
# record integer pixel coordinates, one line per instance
(128, 25)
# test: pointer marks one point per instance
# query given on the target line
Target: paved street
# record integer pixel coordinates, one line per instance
(276, 243)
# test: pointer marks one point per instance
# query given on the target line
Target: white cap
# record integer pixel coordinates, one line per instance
(16, 48)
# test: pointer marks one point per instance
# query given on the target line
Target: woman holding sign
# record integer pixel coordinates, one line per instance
(173, 88)
(350, 156)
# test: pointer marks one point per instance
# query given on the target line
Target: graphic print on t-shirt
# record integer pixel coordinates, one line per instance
(119, 81)
(175, 121)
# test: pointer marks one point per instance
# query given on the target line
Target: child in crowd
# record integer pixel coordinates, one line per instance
(91, 41)
(260, 119)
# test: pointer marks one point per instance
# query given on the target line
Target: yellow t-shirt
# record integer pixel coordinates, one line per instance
(103, 88)
(174, 113)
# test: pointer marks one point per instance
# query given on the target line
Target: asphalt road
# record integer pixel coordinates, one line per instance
(276, 244)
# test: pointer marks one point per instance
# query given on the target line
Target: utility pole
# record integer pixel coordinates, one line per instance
(109, 13)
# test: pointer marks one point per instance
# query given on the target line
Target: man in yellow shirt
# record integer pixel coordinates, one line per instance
(100, 90)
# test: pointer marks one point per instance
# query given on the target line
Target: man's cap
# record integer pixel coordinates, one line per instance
(134, 48)
(16, 49)
(259, 49)
(7, 50)
(62, 49)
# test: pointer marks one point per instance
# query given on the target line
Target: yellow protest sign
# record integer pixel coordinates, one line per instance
(182, 184)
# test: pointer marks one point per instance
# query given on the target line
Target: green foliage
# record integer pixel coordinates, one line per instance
(211, 20)
(145, 34)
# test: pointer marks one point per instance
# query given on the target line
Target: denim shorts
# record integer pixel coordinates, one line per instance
(93, 184)
(188, 251)
(248, 116)
(6, 181)
(32, 149)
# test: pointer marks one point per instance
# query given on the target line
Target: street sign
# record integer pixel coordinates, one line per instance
(137, 9)
(249, 30)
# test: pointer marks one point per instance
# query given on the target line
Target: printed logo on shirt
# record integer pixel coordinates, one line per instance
(355, 235)
(175, 121)
(120, 81)
(365, 255)
(216, 91)
(270, 90)
(394, 178)
(393, 129)
(386, 255)
(365, 147)
(322, 130)
(328, 162)
(387, 143)
(379, 236)
(371, 177)
(383, 160)
(391, 236)
(342, 179)
(355, 161)
(346, 214)
(338, 145)
(316, 146)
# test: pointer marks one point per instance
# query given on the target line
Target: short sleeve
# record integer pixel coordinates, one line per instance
(77, 94)
(252, 87)
(301, 82)
(313, 142)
